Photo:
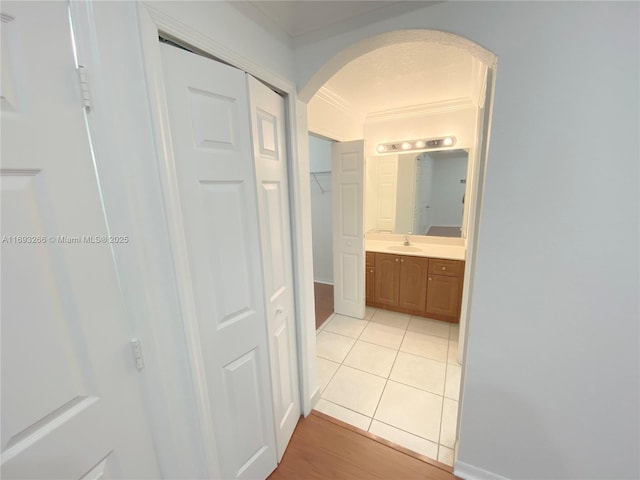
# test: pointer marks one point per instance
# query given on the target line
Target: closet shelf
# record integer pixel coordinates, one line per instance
(315, 177)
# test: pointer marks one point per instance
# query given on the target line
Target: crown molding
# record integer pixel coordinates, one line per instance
(455, 104)
(335, 100)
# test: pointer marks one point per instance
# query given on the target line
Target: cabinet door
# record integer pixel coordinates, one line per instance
(413, 283)
(387, 279)
(371, 285)
(443, 297)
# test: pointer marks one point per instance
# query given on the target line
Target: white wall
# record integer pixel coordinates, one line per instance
(551, 384)
(321, 214)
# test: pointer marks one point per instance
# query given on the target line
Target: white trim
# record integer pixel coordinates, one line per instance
(315, 398)
(469, 472)
(300, 195)
(452, 105)
(175, 28)
(335, 100)
(152, 64)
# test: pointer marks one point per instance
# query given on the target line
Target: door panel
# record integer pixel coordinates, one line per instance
(413, 283)
(207, 104)
(72, 405)
(268, 124)
(387, 193)
(348, 228)
(387, 279)
(443, 296)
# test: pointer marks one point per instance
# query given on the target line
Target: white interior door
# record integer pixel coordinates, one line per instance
(387, 193)
(72, 405)
(269, 150)
(212, 154)
(348, 228)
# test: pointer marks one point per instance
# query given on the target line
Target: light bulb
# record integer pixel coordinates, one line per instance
(406, 145)
(381, 148)
(419, 144)
(448, 142)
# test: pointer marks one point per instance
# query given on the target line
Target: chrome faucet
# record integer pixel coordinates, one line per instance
(406, 239)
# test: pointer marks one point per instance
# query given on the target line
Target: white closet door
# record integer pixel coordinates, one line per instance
(348, 228)
(209, 122)
(270, 154)
(72, 405)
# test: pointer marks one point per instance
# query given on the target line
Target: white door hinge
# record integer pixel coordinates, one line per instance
(137, 353)
(84, 87)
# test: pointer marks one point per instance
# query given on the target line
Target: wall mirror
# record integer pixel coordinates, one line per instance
(422, 193)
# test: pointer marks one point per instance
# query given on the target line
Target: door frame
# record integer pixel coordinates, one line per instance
(153, 24)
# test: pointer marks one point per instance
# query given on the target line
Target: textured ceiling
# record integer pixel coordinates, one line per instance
(402, 75)
(304, 16)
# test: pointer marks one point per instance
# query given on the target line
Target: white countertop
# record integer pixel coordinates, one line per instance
(435, 247)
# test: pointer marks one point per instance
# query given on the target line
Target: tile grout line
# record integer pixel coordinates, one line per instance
(440, 445)
(390, 371)
(387, 378)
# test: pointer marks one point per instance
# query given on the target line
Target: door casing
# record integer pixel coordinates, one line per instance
(153, 24)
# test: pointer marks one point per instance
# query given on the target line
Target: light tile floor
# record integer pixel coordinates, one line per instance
(393, 375)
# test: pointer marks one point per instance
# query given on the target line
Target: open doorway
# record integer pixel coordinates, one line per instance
(397, 372)
(321, 225)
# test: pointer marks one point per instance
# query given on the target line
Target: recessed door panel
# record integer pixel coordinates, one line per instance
(214, 119)
(224, 210)
(275, 267)
(245, 397)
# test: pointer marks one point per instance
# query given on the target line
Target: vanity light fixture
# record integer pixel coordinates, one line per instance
(412, 145)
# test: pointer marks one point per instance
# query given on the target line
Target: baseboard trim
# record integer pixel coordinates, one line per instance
(469, 472)
(315, 397)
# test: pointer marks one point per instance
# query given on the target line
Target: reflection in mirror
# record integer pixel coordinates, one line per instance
(420, 193)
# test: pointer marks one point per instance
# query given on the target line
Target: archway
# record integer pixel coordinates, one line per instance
(481, 55)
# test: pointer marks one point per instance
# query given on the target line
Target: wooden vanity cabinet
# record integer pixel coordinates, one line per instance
(444, 289)
(429, 287)
(401, 282)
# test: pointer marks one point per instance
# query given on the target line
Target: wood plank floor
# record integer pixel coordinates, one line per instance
(323, 448)
(323, 294)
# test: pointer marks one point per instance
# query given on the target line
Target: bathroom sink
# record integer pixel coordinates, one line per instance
(403, 248)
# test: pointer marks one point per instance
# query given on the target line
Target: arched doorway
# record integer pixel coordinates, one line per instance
(410, 48)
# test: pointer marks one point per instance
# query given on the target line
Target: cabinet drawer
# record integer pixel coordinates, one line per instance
(450, 268)
(370, 259)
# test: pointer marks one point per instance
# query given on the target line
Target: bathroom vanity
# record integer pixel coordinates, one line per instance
(418, 279)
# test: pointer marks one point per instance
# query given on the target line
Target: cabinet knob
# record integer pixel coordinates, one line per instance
(402, 259)
(444, 268)
(397, 260)
(429, 278)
